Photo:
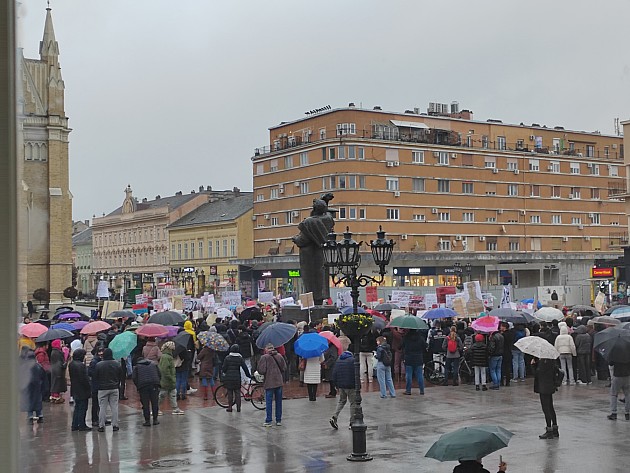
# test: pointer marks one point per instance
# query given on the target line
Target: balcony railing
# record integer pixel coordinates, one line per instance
(617, 189)
(617, 239)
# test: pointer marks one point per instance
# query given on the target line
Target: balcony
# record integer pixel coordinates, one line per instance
(618, 190)
(617, 239)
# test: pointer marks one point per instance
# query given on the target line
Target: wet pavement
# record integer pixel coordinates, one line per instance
(400, 431)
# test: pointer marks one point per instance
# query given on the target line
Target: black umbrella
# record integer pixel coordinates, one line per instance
(613, 308)
(121, 314)
(181, 340)
(45, 322)
(378, 323)
(386, 306)
(55, 334)
(613, 344)
(166, 318)
(510, 315)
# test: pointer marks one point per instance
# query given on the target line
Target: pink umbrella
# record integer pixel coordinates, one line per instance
(33, 330)
(333, 339)
(486, 324)
(79, 324)
(152, 330)
(95, 327)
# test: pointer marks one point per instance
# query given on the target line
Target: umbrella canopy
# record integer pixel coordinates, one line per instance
(168, 317)
(181, 341)
(79, 324)
(54, 334)
(613, 344)
(171, 331)
(348, 310)
(376, 313)
(585, 309)
(531, 301)
(538, 347)
(95, 327)
(45, 322)
(486, 324)
(470, 443)
(310, 345)
(331, 337)
(70, 316)
(386, 306)
(33, 330)
(378, 323)
(276, 333)
(548, 314)
(604, 320)
(439, 313)
(510, 315)
(123, 344)
(63, 308)
(152, 330)
(612, 309)
(121, 314)
(64, 326)
(214, 341)
(619, 312)
(624, 325)
(409, 321)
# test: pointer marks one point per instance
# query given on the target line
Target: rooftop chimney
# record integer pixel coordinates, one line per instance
(157, 197)
(236, 191)
(87, 222)
(192, 191)
(144, 199)
(200, 188)
(377, 107)
(178, 193)
(351, 104)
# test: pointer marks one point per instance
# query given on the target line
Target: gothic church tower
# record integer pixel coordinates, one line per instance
(45, 220)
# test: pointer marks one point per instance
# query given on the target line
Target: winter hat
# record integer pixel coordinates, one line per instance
(169, 346)
(108, 354)
(479, 338)
(56, 344)
(78, 354)
(235, 348)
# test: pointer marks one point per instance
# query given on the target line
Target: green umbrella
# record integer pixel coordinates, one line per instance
(409, 321)
(470, 443)
(123, 344)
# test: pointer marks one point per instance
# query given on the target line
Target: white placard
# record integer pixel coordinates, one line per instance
(266, 297)
(287, 300)
(430, 301)
(344, 299)
(332, 318)
(103, 290)
(401, 298)
(231, 298)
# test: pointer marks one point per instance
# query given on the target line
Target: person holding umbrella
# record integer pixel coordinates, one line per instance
(272, 366)
(544, 385)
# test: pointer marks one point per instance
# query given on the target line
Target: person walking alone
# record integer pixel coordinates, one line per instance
(107, 375)
(272, 366)
(343, 377)
(146, 377)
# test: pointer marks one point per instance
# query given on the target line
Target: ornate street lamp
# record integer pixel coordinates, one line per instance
(342, 259)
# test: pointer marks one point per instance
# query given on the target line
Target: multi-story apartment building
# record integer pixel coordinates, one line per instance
(204, 243)
(523, 204)
(131, 243)
(82, 261)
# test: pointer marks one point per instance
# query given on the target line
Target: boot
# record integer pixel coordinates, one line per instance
(548, 434)
(612, 416)
(204, 390)
(554, 429)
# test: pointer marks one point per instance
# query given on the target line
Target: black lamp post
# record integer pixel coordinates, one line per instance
(342, 259)
(468, 270)
(457, 269)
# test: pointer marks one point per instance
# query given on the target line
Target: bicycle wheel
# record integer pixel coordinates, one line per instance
(221, 397)
(434, 372)
(257, 397)
(466, 373)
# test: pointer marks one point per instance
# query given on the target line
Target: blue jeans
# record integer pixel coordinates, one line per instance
(518, 365)
(205, 382)
(494, 363)
(181, 380)
(385, 381)
(409, 372)
(269, 395)
(452, 365)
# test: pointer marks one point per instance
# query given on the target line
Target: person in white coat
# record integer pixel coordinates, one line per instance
(566, 347)
(313, 375)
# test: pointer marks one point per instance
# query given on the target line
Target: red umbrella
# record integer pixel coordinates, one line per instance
(152, 330)
(332, 338)
(376, 313)
(33, 330)
(95, 327)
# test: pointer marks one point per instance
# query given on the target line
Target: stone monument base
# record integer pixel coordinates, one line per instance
(317, 313)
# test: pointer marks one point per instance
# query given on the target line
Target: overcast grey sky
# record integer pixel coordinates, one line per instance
(168, 96)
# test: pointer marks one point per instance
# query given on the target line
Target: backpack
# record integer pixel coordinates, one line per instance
(386, 357)
(558, 377)
(451, 346)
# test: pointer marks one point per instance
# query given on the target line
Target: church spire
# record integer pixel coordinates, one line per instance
(48, 47)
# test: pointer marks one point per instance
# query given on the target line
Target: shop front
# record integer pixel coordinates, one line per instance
(604, 279)
(428, 276)
(282, 282)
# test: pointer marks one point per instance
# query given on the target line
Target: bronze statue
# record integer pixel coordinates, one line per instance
(314, 232)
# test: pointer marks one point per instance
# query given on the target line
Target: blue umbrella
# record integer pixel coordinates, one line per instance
(277, 334)
(439, 313)
(310, 345)
(348, 310)
(531, 301)
(64, 326)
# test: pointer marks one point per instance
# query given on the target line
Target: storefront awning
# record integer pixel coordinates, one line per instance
(405, 124)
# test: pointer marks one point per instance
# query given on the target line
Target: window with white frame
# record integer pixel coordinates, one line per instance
(322, 133)
(501, 143)
(443, 158)
(417, 184)
(485, 142)
(444, 244)
(210, 248)
(467, 188)
(346, 129)
(512, 164)
(352, 152)
(342, 213)
(342, 152)
(361, 182)
(590, 151)
(575, 168)
(595, 218)
(534, 190)
(444, 185)
(554, 166)
(468, 216)
(491, 219)
(303, 187)
(444, 216)
(362, 214)
(172, 251)
(332, 153)
(514, 245)
(179, 251)
(360, 153)
(391, 183)
(288, 162)
(419, 217)
(491, 244)
(534, 165)
(606, 152)
(417, 157)
(555, 191)
(288, 217)
(185, 250)
(352, 213)
(556, 219)
(535, 244)
(273, 165)
(393, 214)
(232, 247)
(225, 247)
(490, 162)
(260, 168)
(342, 182)
(273, 194)
(534, 219)
(576, 192)
(192, 250)
(593, 169)
(513, 189)
(217, 248)
(595, 193)
(201, 249)
(306, 136)
(303, 159)
(576, 220)
(613, 171)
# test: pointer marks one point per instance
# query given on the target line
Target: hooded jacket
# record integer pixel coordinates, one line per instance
(167, 371)
(57, 369)
(272, 365)
(80, 387)
(31, 378)
(583, 341)
(564, 342)
(206, 359)
(107, 372)
(151, 351)
(343, 372)
(232, 370)
(146, 374)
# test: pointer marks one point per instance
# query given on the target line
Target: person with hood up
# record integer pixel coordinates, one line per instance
(41, 355)
(232, 366)
(146, 377)
(244, 341)
(167, 378)
(107, 376)
(413, 347)
(58, 367)
(343, 377)
(32, 380)
(584, 349)
(89, 345)
(151, 351)
(186, 367)
(80, 390)
(272, 366)
(566, 347)
(479, 352)
(206, 359)
(384, 359)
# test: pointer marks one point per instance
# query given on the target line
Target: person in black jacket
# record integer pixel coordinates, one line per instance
(479, 358)
(232, 366)
(343, 377)
(367, 346)
(107, 375)
(245, 345)
(506, 362)
(413, 347)
(544, 385)
(80, 390)
(146, 377)
(475, 466)
(97, 357)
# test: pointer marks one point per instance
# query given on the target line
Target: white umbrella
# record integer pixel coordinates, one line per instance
(538, 347)
(547, 314)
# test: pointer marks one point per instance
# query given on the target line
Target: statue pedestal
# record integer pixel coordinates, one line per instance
(317, 313)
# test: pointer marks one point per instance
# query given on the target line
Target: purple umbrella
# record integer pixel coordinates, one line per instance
(79, 324)
(70, 316)
(172, 331)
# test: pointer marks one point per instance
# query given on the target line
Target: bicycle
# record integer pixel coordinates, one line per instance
(434, 371)
(466, 372)
(254, 393)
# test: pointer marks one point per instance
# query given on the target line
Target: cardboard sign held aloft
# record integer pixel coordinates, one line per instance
(371, 294)
(103, 290)
(306, 300)
(265, 297)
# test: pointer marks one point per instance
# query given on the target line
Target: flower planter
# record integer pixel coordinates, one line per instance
(355, 325)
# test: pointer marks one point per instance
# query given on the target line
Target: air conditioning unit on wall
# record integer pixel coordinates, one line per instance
(482, 238)
(434, 211)
(403, 236)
